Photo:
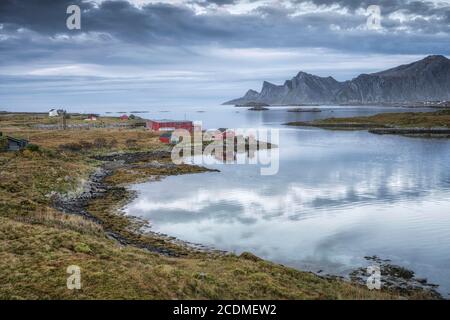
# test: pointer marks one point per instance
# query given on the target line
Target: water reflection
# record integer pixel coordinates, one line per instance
(338, 196)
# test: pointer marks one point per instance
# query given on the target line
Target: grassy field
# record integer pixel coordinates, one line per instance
(38, 243)
(436, 119)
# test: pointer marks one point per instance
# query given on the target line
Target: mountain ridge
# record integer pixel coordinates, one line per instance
(427, 79)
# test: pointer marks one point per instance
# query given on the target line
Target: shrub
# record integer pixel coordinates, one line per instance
(72, 146)
(113, 143)
(33, 147)
(131, 143)
(3, 143)
(132, 117)
(82, 248)
(100, 143)
(86, 145)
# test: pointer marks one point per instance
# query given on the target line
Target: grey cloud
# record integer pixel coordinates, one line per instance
(164, 24)
(159, 36)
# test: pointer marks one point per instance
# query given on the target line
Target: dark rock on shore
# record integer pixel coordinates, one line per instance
(76, 203)
(412, 131)
(258, 109)
(95, 187)
(395, 278)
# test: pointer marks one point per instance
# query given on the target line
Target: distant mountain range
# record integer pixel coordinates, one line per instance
(424, 80)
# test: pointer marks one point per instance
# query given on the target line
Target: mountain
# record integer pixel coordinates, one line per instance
(424, 80)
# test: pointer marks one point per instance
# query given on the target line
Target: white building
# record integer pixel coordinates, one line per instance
(53, 113)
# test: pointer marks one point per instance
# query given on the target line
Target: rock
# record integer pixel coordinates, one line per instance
(395, 278)
(258, 109)
(249, 256)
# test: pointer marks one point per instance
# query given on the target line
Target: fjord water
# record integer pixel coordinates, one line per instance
(338, 196)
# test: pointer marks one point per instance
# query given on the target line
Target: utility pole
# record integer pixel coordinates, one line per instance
(63, 119)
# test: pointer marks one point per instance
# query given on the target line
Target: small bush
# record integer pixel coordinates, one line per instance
(100, 143)
(86, 145)
(131, 143)
(33, 147)
(113, 143)
(3, 143)
(75, 147)
(82, 248)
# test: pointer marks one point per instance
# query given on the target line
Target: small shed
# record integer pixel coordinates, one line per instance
(11, 144)
(124, 117)
(165, 137)
(169, 138)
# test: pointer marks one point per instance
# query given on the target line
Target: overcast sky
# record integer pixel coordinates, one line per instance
(140, 53)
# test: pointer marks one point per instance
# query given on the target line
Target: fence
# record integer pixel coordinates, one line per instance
(87, 126)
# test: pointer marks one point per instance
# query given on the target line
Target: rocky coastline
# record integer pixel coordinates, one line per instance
(96, 187)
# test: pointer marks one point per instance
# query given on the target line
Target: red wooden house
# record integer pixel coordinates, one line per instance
(169, 125)
(124, 117)
(165, 137)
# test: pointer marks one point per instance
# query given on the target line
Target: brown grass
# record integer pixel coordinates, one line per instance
(404, 120)
(34, 259)
(38, 243)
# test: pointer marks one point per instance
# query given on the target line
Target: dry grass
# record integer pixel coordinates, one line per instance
(27, 179)
(56, 138)
(34, 259)
(404, 120)
(137, 173)
(37, 243)
(27, 120)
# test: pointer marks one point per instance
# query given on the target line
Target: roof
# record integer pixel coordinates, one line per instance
(14, 139)
(169, 120)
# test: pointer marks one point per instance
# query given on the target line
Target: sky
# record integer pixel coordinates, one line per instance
(141, 53)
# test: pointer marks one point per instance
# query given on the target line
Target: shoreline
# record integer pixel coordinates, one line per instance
(433, 124)
(399, 278)
(72, 211)
(97, 188)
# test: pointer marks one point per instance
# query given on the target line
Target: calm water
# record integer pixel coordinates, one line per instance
(338, 197)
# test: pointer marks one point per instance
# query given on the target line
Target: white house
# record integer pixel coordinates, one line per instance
(53, 113)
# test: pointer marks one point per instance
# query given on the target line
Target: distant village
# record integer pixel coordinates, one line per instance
(61, 120)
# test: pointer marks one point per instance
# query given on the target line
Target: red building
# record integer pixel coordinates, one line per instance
(169, 125)
(165, 137)
(124, 117)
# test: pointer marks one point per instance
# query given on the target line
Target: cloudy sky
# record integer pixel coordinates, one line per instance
(139, 53)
